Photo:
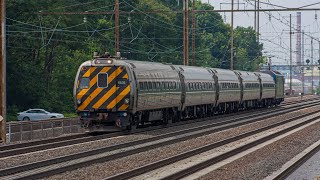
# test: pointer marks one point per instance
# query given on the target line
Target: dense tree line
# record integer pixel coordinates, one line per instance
(44, 51)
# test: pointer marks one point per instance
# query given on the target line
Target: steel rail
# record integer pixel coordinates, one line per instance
(22, 148)
(211, 161)
(170, 160)
(174, 138)
(290, 169)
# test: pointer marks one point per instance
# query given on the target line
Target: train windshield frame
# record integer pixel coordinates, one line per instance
(103, 80)
(84, 84)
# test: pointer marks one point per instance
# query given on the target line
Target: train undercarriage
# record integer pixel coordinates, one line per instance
(116, 121)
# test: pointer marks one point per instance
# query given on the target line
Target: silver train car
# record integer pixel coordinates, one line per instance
(113, 93)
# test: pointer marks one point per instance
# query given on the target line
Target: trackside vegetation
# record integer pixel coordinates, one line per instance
(45, 51)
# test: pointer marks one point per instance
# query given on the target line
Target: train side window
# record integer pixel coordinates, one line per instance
(149, 86)
(141, 86)
(174, 85)
(145, 85)
(158, 86)
(154, 86)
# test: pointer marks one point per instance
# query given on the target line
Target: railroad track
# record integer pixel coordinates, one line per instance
(299, 101)
(295, 163)
(22, 148)
(139, 173)
(78, 160)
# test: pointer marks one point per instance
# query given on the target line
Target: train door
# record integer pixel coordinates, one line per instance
(183, 90)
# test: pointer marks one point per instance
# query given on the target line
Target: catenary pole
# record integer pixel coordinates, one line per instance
(258, 20)
(3, 108)
(193, 33)
(231, 60)
(290, 57)
(312, 68)
(185, 32)
(117, 49)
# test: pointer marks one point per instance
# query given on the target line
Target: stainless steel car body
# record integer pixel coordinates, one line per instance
(251, 85)
(158, 86)
(199, 86)
(268, 86)
(226, 80)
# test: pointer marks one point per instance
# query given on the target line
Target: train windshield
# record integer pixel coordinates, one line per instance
(84, 83)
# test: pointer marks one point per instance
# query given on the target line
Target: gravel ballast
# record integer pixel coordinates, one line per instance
(101, 170)
(265, 161)
(61, 151)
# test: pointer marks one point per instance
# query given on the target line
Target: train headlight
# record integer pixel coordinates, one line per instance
(79, 101)
(124, 114)
(126, 100)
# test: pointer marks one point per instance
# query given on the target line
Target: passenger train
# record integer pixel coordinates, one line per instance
(115, 93)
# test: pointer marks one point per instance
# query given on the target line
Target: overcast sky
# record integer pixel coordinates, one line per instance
(275, 34)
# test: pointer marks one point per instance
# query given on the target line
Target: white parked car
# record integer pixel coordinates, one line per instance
(37, 114)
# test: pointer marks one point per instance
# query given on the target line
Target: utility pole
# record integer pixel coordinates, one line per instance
(117, 49)
(193, 33)
(185, 32)
(231, 60)
(290, 57)
(302, 61)
(312, 66)
(298, 45)
(319, 66)
(258, 20)
(3, 102)
(255, 15)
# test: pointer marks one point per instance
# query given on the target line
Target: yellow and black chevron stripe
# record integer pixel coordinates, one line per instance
(111, 98)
